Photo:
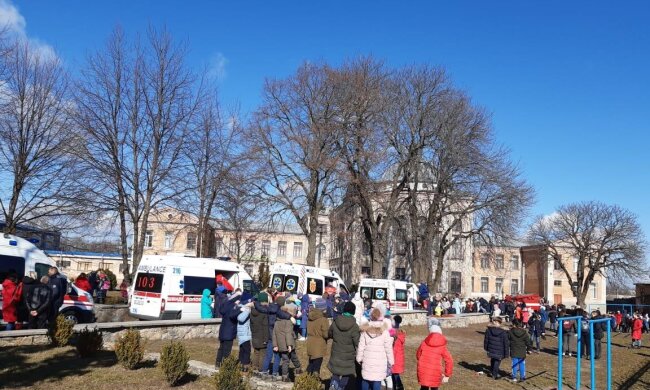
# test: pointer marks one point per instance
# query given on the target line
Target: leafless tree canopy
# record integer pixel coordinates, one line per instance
(36, 138)
(603, 238)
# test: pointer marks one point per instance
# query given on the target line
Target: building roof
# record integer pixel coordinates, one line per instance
(83, 254)
(29, 228)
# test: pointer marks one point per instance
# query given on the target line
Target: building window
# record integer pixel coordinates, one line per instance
(365, 271)
(575, 263)
(297, 250)
(499, 286)
(250, 248)
(557, 263)
(63, 263)
(282, 248)
(594, 293)
(484, 285)
(266, 248)
(384, 272)
(148, 239)
(191, 241)
(233, 247)
(321, 252)
(557, 283)
(169, 239)
(365, 248)
(85, 265)
(499, 262)
(514, 286)
(400, 273)
(219, 246)
(249, 269)
(472, 284)
(455, 282)
(485, 260)
(514, 262)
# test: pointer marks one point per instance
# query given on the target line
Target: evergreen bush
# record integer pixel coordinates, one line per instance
(230, 376)
(307, 382)
(129, 349)
(173, 362)
(60, 331)
(89, 342)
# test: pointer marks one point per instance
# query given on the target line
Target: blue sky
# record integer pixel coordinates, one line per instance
(567, 82)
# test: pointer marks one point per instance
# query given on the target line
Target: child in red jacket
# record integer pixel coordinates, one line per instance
(431, 354)
(399, 337)
(637, 330)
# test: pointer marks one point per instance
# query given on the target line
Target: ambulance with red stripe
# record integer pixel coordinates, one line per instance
(396, 294)
(23, 257)
(170, 287)
(301, 279)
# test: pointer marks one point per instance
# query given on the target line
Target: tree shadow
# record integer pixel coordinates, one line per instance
(636, 377)
(58, 364)
(484, 368)
(480, 332)
(187, 379)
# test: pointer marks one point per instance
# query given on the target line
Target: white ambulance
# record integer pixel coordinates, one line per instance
(301, 279)
(396, 294)
(23, 257)
(171, 287)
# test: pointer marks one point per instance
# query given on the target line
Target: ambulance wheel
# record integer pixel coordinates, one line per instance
(71, 316)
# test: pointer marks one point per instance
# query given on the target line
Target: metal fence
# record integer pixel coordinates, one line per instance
(622, 307)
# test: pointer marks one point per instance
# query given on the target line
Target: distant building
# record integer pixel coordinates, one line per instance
(71, 264)
(643, 294)
(544, 276)
(496, 271)
(44, 239)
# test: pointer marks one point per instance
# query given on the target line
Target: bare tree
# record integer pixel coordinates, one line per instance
(605, 239)
(135, 105)
(36, 138)
(292, 139)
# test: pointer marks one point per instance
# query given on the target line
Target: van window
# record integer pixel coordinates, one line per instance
(314, 286)
(41, 270)
(380, 293)
(148, 282)
(12, 263)
(401, 295)
(366, 292)
(250, 287)
(194, 285)
(330, 281)
(285, 283)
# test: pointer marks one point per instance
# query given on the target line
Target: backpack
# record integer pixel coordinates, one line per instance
(567, 325)
(585, 325)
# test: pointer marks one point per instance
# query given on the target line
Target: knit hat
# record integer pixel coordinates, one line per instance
(280, 300)
(262, 297)
(349, 308)
(320, 304)
(435, 329)
(432, 321)
(246, 297)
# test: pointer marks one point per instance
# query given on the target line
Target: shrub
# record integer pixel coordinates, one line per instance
(230, 376)
(307, 382)
(89, 342)
(173, 362)
(60, 331)
(129, 349)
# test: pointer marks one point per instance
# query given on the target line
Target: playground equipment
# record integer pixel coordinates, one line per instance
(579, 320)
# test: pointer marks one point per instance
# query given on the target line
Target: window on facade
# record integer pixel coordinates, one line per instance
(365, 248)
(514, 262)
(594, 292)
(233, 247)
(400, 273)
(297, 250)
(249, 269)
(266, 248)
(484, 285)
(191, 240)
(485, 260)
(85, 265)
(148, 239)
(458, 227)
(321, 253)
(384, 272)
(455, 282)
(282, 248)
(557, 283)
(250, 248)
(365, 270)
(514, 286)
(499, 285)
(499, 262)
(472, 284)
(556, 263)
(169, 240)
(575, 263)
(219, 246)
(63, 263)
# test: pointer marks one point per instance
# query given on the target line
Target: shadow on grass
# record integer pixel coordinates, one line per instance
(481, 367)
(56, 364)
(188, 378)
(631, 382)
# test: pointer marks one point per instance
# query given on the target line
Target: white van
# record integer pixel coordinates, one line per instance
(23, 257)
(302, 279)
(170, 287)
(396, 294)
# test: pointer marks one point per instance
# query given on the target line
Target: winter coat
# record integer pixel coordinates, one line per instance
(535, 327)
(637, 328)
(358, 308)
(83, 284)
(206, 304)
(431, 353)
(23, 312)
(220, 299)
(283, 336)
(304, 309)
(519, 342)
(273, 312)
(496, 342)
(40, 299)
(398, 351)
(456, 305)
(11, 293)
(228, 327)
(423, 291)
(317, 333)
(345, 335)
(375, 352)
(59, 286)
(244, 333)
(259, 328)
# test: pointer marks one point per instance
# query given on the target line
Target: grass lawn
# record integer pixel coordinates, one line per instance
(630, 367)
(40, 367)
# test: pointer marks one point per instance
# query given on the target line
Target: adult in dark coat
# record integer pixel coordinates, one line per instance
(39, 304)
(59, 287)
(228, 328)
(305, 306)
(496, 344)
(599, 331)
(260, 333)
(345, 334)
(272, 311)
(220, 299)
